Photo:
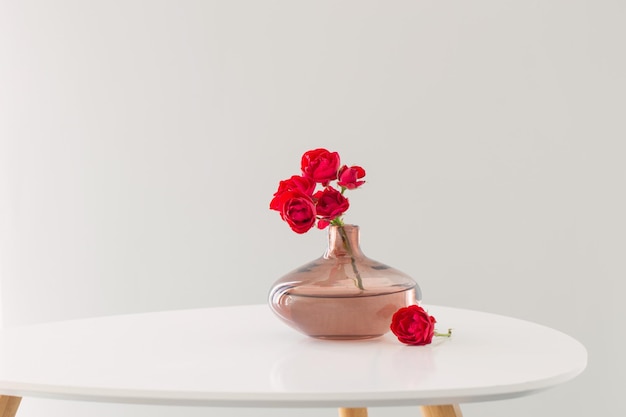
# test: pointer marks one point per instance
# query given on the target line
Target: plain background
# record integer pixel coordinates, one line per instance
(141, 141)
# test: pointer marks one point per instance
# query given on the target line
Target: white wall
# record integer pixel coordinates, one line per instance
(140, 143)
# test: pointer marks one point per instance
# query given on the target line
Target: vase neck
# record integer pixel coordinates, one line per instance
(343, 241)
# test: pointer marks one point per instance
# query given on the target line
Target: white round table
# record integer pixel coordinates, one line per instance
(244, 356)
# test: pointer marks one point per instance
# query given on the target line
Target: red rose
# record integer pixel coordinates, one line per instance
(320, 165)
(322, 223)
(295, 183)
(349, 177)
(298, 210)
(330, 203)
(412, 325)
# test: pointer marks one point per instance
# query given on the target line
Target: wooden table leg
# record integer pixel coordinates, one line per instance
(441, 410)
(9, 405)
(351, 412)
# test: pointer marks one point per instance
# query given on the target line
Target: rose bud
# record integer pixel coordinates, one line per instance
(349, 177)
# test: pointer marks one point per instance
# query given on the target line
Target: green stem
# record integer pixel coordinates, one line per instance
(346, 243)
(444, 334)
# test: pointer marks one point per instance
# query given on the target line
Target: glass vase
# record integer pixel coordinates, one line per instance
(343, 294)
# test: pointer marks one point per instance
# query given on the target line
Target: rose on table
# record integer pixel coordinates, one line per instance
(412, 325)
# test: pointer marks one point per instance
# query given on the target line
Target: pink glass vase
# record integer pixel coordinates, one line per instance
(343, 294)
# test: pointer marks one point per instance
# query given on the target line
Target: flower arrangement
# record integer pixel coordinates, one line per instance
(301, 206)
(316, 197)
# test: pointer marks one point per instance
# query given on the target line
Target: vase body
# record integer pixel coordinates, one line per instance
(343, 294)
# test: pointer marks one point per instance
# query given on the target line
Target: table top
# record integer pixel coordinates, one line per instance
(244, 356)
